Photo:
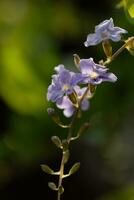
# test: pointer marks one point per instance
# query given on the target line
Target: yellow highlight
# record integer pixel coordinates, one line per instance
(65, 87)
(131, 10)
(93, 75)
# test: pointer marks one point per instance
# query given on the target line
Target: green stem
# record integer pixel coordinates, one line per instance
(110, 59)
(75, 116)
(61, 176)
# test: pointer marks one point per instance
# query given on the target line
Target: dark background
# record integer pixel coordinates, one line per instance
(35, 36)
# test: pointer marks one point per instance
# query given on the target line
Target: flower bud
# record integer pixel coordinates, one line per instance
(55, 117)
(76, 60)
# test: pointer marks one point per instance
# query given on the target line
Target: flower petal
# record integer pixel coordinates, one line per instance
(92, 39)
(85, 105)
(65, 103)
(69, 111)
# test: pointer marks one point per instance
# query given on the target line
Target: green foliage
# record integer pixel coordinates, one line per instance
(74, 168)
(47, 169)
(52, 186)
(61, 189)
(128, 6)
(66, 156)
(56, 140)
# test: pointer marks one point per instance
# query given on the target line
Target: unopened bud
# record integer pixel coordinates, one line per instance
(76, 60)
(55, 117)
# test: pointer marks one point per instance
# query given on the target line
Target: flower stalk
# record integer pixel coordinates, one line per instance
(69, 94)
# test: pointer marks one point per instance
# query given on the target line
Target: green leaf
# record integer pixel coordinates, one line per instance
(66, 156)
(120, 4)
(52, 186)
(56, 140)
(74, 168)
(83, 128)
(47, 169)
(61, 189)
(129, 5)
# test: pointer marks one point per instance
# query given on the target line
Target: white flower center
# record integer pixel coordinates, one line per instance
(104, 35)
(65, 87)
(93, 75)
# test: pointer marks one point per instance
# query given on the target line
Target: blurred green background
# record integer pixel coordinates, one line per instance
(35, 36)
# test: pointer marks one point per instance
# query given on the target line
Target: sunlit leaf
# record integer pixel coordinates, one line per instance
(129, 6)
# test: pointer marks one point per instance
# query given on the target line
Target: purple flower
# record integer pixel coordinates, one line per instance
(104, 31)
(62, 83)
(95, 73)
(68, 106)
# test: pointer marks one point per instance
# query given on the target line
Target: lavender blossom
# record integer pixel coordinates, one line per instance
(104, 31)
(68, 106)
(62, 83)
(95, 73)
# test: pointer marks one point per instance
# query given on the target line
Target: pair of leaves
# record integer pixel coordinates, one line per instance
(48, 170)
(52, 186)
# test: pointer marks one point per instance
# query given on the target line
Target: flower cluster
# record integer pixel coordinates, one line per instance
(72, 91)
(66, 83)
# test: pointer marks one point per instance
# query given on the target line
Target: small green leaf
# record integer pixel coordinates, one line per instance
(74, 168)
(65, 145)
(83, 128)
(61, 189)
(66, 156)
(47, 169)
(56, 140)
(52, 186)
